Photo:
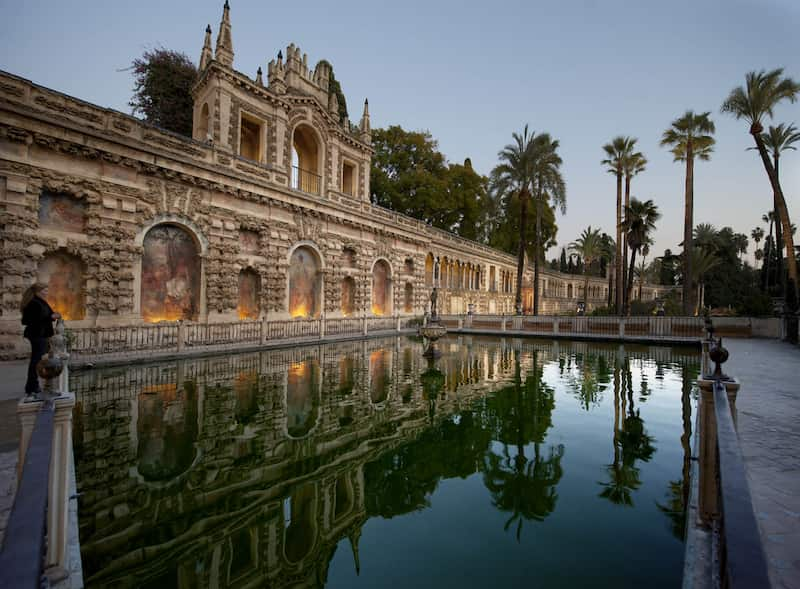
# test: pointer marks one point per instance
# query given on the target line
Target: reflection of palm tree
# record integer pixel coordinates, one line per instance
(631, 443)
(524, 487)
(585, 385)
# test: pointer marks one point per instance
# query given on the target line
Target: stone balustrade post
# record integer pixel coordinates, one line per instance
(460, 323)
(264, 330)
(398, 324)
(322, 327)
(181, 337)
(364, 324)
(503, 324)
(622, 327)
(59, 479)
(555, 325)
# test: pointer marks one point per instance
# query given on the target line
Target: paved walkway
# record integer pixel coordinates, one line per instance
(769, 432)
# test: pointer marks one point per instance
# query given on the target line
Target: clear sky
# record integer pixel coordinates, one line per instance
(472, 73)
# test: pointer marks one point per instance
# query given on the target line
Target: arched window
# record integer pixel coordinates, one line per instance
(306, 160)
(429, 270)
(63, 273)
(170, 274)
(305, 283)
(381, 288)
(408, 299)
(249, 294)
(569, 291)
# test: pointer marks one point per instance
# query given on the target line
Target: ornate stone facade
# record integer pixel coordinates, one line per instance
(270, 168)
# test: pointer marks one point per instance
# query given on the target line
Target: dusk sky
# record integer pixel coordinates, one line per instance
(472, 74)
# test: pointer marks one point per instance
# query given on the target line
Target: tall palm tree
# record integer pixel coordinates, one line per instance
(754, 101)
(633, 164)
(639, 224)
(549, 188)
(514, 174)
(618, 151)
(777, 140)
(689, 137)
(706, 235)
(588, 246)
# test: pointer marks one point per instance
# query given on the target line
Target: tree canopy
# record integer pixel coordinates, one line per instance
(162, 91)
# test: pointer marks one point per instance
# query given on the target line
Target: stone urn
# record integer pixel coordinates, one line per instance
(52, 363)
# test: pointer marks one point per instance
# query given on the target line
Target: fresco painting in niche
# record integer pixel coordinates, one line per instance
(303, 382)
(167, 430)
(248, 307)
(408, 307)
(379, 375)
(63, 274)
(304, 284)
(170, 275)
(248, 241)
(62, 211)
(348, 296)
(381, 289)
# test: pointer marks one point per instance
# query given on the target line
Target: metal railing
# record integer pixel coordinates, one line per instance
(92, 344)
(306, 181)
(25, 545)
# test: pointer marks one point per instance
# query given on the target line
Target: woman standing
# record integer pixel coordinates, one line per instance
(37, 317)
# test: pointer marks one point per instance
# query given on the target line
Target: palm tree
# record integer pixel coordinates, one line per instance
(768, 218)
(515, 175)
(618, 151)
(634, 163)
(549, 187)
(706, 235)
(757, 234)
(779, 139)
(589, 246)
(704, 260)
(640, 222)
(753, 102)
(689, 137)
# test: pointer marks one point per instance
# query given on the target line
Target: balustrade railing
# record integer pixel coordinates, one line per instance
(650, 328)
(140, 341)
(306, 180)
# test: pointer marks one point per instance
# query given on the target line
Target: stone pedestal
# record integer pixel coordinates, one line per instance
(60, 458)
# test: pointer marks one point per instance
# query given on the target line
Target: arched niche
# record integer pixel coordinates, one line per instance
(429, 270)
(306, 159)
(300, 529)
(381, 288)
(302, 397)
(203, 124)
(380, 375)
(249, 294)
(408, 298)
(170, 283)
(64, 275)
(348, 306)
(166, 430)
(305, 283)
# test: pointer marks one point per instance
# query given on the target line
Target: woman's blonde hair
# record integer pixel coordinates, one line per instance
(33, 290)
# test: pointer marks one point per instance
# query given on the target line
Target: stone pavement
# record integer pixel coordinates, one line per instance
(768, 407)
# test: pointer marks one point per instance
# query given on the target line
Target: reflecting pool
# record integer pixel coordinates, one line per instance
(504, 463)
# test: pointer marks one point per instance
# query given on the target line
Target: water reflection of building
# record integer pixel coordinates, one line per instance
(248, 470)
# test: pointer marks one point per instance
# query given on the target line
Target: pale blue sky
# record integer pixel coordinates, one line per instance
(472, 74)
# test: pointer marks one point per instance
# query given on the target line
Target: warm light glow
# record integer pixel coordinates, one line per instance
(168, 391)
(300, 310)
(298, 370)
(160, 318)
(377, 310)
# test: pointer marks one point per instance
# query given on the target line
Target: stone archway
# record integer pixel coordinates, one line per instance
(249, 306)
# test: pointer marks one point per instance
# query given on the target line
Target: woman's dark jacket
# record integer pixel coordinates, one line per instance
(37, 317)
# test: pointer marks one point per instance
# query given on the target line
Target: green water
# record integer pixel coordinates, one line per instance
(505, 463)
